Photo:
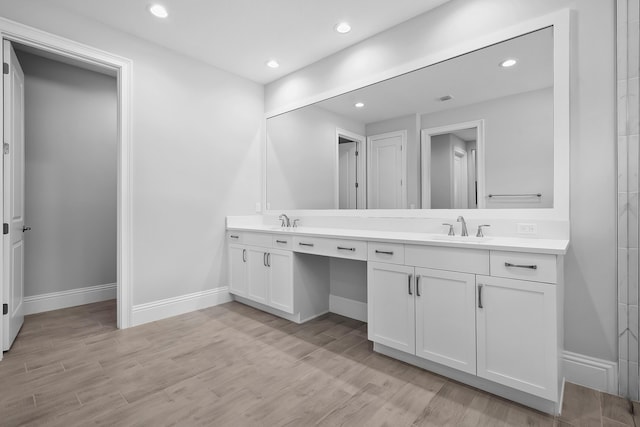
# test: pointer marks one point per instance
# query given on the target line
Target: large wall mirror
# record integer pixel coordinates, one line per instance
(474, 131)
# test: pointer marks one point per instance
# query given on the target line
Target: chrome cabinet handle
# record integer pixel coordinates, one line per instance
(480, 296)
(306, 244)
(264, 259)
(284, 242)
(384, 252)
(341, 248)
(234, 237)
(409, 284)
(418, 285)
(269, 260)
(530, 267)
(244, 255)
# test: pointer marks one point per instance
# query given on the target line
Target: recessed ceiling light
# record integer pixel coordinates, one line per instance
(508, 63)
(359, 104)
(446, 98)
(159, 11)
(343, 27)
(272, 63)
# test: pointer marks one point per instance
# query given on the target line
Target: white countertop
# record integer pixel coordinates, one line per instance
(515, 244)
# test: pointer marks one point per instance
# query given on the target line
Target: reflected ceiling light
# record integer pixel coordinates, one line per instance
(343, 27)
(273, 63)
(445, 98)
(159, 11)
(359, 104)
(508, 63)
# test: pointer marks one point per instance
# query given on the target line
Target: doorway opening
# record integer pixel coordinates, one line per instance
(351, 191)
(452, 159)
(84, 57)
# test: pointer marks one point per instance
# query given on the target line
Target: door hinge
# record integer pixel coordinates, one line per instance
(356, 185)
(5, 147)
(5, 228)
(5, 309)
(5, 68)
(357, 153)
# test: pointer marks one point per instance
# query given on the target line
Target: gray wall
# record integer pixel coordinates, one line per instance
(302, 155)
(197, 137)
(70, 194)
(590, 275)
(441, 171)
(518, 145)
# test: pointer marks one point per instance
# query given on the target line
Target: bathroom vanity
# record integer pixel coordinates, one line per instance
(485, 311)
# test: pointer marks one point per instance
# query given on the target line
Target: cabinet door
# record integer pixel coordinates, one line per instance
(517, 334)
(391, 309)
(238, 270)
(257, 286)
(446, 318)
(280, 266)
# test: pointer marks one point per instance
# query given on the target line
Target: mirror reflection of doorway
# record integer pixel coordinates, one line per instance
(351, 186)
(451, 173)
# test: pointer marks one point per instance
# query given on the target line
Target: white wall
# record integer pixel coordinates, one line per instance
(518, 145)
(196, 145)
(407, 123)
(70, 194)
(302, 150)
(590, 309)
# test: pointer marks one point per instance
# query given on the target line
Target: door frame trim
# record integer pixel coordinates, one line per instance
(425, 158)
(122, 68)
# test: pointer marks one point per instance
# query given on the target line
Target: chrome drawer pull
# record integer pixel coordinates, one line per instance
(531, 267)
(306, 244)
(418, 285)
(244, 255)
(284, 242)
(409, 284)
(234, 237)
(384, 252)
(340, 248)
(480, 296)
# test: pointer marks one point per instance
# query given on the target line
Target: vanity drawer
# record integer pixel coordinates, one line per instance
(446, 258)
(524, 266)
(392, 253)
(257, 239)
(235, 237)
(282, 242)
(339, 248)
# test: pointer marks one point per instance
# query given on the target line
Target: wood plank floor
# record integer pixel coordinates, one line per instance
(232, 365)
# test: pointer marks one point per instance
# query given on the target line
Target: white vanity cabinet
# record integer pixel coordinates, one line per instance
(517, 334)
(426, 312)
(238, 270)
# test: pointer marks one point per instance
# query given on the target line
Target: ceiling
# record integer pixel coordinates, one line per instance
(240, 36)
(469, 79)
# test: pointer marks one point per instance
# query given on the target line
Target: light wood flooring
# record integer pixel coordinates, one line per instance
(232, 365)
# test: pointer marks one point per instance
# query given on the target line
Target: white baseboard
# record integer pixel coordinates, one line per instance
(158, 310)
(348, 308)
(598, 374)
(65, 299)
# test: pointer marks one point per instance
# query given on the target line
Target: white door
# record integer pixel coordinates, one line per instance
(390, 305)
(386, 172)
(13, 195)
(280, 266)
(347, 175)
(446, 318)
(238, 270)
(517, 334)
(257, 274)
(459, 180)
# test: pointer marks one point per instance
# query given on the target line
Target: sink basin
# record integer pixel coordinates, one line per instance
(467, 239)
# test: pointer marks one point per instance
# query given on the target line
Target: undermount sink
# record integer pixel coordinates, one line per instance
(468, 239)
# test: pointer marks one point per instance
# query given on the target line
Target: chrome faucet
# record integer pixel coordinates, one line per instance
(285, 221)
(464, 226)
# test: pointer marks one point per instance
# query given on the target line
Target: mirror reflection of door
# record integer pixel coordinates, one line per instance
(348, 173)
(450, 175)
(387, 170)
